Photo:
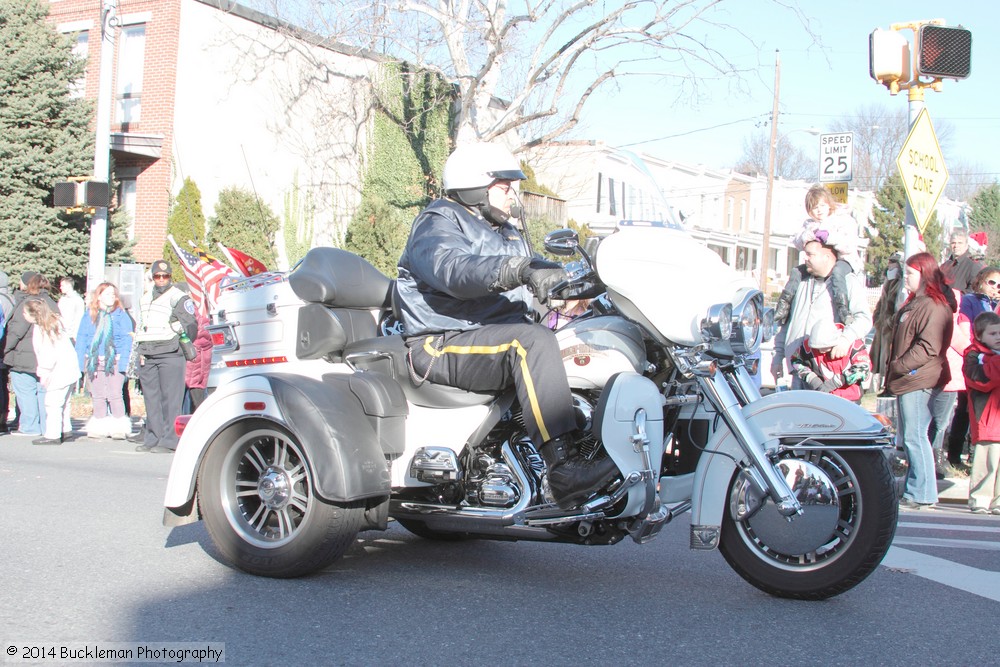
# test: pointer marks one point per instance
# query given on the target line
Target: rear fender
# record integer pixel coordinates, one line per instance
(789, 416)
(325, 417)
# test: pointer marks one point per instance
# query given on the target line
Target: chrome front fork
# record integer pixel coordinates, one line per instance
(762, 473)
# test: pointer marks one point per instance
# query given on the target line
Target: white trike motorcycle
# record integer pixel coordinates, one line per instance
(315, 430)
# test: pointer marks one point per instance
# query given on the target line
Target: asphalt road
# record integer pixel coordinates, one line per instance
(86, 559)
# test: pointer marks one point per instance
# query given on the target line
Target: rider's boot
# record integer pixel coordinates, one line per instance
(572, 478)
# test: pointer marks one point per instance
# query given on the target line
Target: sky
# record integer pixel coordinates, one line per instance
(818, 84)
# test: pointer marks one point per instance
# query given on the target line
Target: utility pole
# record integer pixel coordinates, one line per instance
(765, 250)
(102, 147)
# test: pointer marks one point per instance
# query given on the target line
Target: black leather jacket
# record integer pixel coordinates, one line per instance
(450, 260)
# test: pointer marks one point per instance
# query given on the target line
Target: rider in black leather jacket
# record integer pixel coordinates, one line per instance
(463, 298)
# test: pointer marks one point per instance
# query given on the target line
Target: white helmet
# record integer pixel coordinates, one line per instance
(473, 166)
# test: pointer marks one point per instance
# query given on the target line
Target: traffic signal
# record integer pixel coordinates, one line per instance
(86, 194)
(944, 52)
(888, 57)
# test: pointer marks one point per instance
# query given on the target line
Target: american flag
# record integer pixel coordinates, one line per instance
(204, 274)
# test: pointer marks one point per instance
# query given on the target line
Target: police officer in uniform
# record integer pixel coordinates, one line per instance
(463, 297)
(164, 312)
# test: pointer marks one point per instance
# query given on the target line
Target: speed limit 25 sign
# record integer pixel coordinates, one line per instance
(836, 156)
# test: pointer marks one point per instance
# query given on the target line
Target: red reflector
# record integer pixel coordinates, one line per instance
(254, 406)
(259, 361)
(218, 338)
(180, 424)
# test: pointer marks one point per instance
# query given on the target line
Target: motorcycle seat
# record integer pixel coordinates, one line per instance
(387, 355)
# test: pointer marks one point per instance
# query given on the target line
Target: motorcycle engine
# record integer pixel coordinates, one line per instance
(492, 483)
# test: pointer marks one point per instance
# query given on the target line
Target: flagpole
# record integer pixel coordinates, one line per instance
(232, 262)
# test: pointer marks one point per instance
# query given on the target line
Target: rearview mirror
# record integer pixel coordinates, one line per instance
(562, 242)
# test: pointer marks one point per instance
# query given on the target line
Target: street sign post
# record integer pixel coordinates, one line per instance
(836, 157)
(921, 165)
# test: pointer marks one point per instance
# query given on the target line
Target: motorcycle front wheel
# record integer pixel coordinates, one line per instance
(259, 504)
(838, 541)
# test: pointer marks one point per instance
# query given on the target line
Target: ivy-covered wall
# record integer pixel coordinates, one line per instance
(409, 143)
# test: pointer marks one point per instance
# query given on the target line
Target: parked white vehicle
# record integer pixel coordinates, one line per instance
(315, 431)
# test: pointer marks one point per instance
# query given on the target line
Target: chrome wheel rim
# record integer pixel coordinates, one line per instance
(843, 527)
(267, 489)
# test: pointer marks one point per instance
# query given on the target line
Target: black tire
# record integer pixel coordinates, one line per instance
(420, 529)
(866, 524)
(256, 495)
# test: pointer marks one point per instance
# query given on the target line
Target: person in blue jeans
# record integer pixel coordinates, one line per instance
(19, 355)
(918, 370)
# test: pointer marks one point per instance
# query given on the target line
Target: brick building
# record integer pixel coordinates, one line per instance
(226, 96)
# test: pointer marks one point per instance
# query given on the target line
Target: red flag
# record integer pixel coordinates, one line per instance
(243, 262)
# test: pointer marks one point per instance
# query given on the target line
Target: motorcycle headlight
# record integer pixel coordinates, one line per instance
(718, 325)
(748, 322)
(767, 325)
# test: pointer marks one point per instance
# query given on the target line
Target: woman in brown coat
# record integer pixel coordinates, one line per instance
(918, 369)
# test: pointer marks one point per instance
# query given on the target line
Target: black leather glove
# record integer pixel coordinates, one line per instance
(541, 281)
(511, 274)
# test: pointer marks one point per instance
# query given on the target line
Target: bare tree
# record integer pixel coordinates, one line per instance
(544, 60)
(790, 162)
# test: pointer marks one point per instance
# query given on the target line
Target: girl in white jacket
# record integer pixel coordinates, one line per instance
(58, 368)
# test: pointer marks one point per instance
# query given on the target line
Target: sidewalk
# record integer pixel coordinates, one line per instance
(953, 490)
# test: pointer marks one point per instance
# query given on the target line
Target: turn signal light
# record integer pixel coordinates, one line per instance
(180, 424)
(258, 361)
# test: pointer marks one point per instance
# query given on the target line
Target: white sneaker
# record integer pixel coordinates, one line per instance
(120, 428)
(99, 428)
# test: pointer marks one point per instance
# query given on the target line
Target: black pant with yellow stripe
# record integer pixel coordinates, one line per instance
(491, 358)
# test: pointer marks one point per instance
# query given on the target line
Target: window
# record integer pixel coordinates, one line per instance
(80, 49)
(721, 251)
(131, 58)
(746, 259)
(612, 208)
(600, 181)
(729, 212)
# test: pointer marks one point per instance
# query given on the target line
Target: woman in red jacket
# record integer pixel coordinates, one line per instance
(918, 369)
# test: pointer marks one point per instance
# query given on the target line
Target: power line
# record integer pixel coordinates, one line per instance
(702, 129)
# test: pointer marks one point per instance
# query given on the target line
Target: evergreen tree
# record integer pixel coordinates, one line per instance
(186, 222)
(299, 221)
(886, 235)
(44, 138)
(985, 217)
(378, 232)
(119, 247)
(243, 222)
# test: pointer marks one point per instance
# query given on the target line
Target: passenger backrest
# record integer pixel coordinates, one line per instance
(336, 277)
(324, 332)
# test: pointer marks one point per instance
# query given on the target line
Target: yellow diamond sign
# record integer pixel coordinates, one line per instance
(921, 166)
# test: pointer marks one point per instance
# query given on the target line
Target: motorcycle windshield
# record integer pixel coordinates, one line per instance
(669, 276)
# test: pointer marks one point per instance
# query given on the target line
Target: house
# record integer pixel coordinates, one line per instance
(228, 97)
(726, 210)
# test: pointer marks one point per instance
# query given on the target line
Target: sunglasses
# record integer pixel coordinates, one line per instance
(161, 276)
(505, 186)
(993, 283)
